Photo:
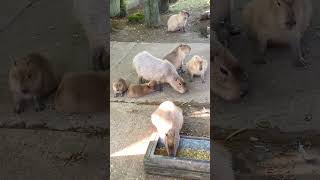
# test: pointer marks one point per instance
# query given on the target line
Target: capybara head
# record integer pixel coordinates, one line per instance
(25, 76)
(119, 86)
(179, 85)
(285, 11)
(199, 62)
(229, 80)
(185, 48)
(185, 14)
(171, 142)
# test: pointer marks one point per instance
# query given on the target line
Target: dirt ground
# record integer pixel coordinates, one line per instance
(127, 32)
(280, 108)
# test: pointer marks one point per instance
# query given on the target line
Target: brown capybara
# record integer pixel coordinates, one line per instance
(229, 80)
(197, 66)
(151, 68)
(119, 87)
(177, 22)
(222, 166)
(31, 78)
(139, 90)
(177, 56)
(84, 92)
(168, 119)
(277, 22)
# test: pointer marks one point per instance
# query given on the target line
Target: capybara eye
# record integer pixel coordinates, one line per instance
(224, 71)
(278, 3)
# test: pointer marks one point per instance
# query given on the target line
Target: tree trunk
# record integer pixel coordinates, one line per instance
(114, 8)
(123, 8)
(163, 6)
(151, 13)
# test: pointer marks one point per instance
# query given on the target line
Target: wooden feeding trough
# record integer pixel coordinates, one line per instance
(179, 166)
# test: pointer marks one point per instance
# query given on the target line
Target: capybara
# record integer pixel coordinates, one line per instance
(138, 90)
(197, 66)
(151, 68)
(119, 87)
(168, 119)
(83, 92)
(177, 22)
(92, 15)
(277, 22)
(230, 81)
(222, 163)
(205, 15)
(177, 56)
(31, 78)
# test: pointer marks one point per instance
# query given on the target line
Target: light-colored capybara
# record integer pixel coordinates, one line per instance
(168, 119)
(197, 66)
(278, 22)
(151, 68)
(119, 87)
(31, 78)
(138, 90)
(92, 15)
(222, 163)
(177, 22)
(83, 92)
(230, 81)
(177, 56)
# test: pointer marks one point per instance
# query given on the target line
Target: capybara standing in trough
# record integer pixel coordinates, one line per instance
(151, 68)
(177, 56)
(229, 80)
(92, 15)
(84, 92)
(177, 22)
(197, 66)
(138, 90)
(278, 22)
(119, 87)
(168, 119)
(31, 78)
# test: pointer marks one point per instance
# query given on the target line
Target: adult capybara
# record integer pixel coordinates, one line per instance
(177, 22)
(278, 22)
(177, 56)
(138, 90)
(222, 166)
(151, 68)
(31, 78)
(92, 15)
(84, 92)
(197, 66)
(119, 87)
(168, 119)
(229, 80)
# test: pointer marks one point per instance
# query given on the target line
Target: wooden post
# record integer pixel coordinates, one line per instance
(151, 13)
(114, 8)
(163, 6)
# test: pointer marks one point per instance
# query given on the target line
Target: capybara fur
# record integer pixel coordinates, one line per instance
(168, 119)
(197, 66)
(151, 68)
(92, 15)
(119, 87)
(83, 92)
(177, 56)
(222, 166)
(205, 15)
(277, 22)
(31, 78)
(229, 80)
(177, 22)
(138, 90)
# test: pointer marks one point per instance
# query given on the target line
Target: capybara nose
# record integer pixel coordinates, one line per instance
(25, 91)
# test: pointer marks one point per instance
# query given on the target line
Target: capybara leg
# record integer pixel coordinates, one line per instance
(298, 59)
(99, 56)
(18, 106)
(160, 85)
(140, 80)
(116, 95)
(38, 104)
(191, 77)
(261, 54)
(202, 78)
(122, 94)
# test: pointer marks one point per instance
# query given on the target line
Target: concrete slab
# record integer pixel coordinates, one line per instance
(131, 131)
(39, 154)
(198, 92)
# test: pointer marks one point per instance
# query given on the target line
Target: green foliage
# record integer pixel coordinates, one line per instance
(136, 18)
